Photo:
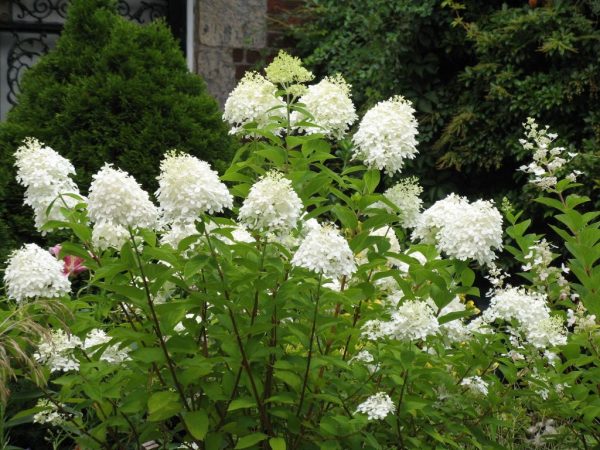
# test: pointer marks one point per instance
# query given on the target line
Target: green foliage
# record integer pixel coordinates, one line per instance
(111, 91)
(230, 345)
(474, 70)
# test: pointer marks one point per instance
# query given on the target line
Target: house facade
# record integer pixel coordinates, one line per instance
(221, 38)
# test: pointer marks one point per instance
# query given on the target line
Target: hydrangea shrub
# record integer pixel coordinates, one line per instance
(291, 305)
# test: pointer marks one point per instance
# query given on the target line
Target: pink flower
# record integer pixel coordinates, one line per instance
(73, 264)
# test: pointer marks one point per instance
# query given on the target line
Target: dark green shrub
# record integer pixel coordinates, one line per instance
(475, 70)
(113, 91)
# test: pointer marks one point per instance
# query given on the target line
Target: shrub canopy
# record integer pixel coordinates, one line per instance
(111, 91)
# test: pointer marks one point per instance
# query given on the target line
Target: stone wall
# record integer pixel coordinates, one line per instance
(232, 36)
(229, 37)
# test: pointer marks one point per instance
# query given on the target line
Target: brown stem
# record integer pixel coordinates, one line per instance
(156, 325)
(310, 347)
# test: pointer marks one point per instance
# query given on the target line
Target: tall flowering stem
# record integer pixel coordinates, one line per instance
(246, 364)
(156, 324)
(310, 346)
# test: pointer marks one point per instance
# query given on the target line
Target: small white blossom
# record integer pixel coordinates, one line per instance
(387, 135)
(115, 197)
(325, 251)
(377, 407)
(189, 187)
(580, 319)
(548, 161)
(45, 175)
(461, 229)
(33, 272)
(108, 235)
(331, 108)
(531, 312)
(412, 320)
(476, 385)
(365, 357)
(253, 100)
(49, 414)
(111, 354)
(547, 332)
(57, 351)
(405, 195)
(177, 232)
(272, 205)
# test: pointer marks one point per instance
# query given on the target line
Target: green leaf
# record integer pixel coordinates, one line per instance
(345, 216)
(371, 179)
(197, 423)
(241, 403)
(163, 405)
(552, 202)
(274, 154)
(277, 443)
(250, 440)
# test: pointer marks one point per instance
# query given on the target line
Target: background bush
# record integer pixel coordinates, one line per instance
(111, 91)
(474, 71)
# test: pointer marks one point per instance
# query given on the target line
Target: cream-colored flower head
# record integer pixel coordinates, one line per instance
(287, 70)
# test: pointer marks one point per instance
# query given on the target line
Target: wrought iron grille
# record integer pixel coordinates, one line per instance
(30, 28)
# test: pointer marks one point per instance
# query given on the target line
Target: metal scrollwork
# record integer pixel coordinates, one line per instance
(39, 10)
(143, 12)
(21, 57)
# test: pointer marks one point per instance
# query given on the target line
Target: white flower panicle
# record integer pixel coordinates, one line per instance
(325, 251)
(547, 332)
(58, 351)
(287, 70)
(411, 321)
(112, 354)
(580, 320)
(377, 407)
(548, 161)
(475, 384)
(49, 414)
(45, 175)
(331, 108)
(272, 205)
(515, 303)
(538, 262)
(189, 187)
(33, 272)
(253, 100)
(531, 311)
(406, 196)
(461, 229)
(387, 135)
(108, 235)
(117, 198)
(177, 232)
